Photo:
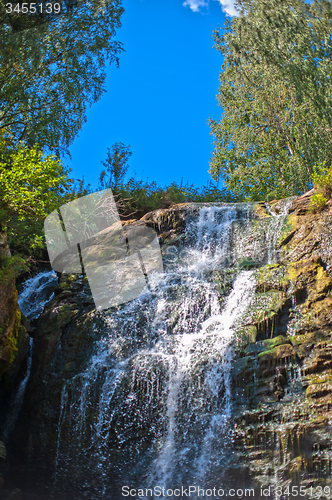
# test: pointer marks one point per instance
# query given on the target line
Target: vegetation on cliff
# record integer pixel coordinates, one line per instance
(136, 197)
(322, 181)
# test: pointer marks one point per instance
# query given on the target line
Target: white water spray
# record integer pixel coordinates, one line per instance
(36, 294)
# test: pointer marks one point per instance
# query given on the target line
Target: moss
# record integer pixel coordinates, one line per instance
(248, 333)
(319, 390)
(270, 277)
(15, 336)
(296, 465)
(289, 229)
(265, 308)
(308, 274)
(317, 203)
(307, 338)
(320, 379)
(10, 267)
(260, 211)
(66, 281)
(65, 314)
(272, 343)
(277, 353)
(246, 263)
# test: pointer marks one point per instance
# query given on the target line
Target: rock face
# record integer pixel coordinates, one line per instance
(284, 366)
(13, 337)
(282, 371)
(14, 341)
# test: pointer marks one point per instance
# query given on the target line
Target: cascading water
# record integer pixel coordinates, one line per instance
(36, 293)
(154, 404)
(275, 229)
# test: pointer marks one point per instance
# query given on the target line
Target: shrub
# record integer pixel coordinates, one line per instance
(317, 203)
(138, 197)
(322, 180)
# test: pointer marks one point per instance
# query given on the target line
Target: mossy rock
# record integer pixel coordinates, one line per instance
(271, 277)
(277, 341)
(290, 228)
(246, 263)
(321, 379)
(246, 335)
(260, 211)
(265, 309)
(295, 466)
(319, 390)
(309, 271)
(279, 354)
(13, 332)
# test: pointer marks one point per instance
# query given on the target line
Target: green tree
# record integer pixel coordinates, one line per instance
(275, 91)
(116, 166)
(52, 69)
(31, 186)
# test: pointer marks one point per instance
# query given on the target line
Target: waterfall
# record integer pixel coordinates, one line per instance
(275, 229)
(36, 293)
(209, 349)
(17, 401)
(154, 404)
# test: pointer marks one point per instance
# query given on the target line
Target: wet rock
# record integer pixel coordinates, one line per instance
(174, 218)
(2, 451)
(13, 336)
(261, 211)
(286, 379)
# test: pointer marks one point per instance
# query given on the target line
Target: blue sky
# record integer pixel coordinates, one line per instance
(160, 99)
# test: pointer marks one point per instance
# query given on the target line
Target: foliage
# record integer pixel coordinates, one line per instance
(275, 91)
(11, 267)
(116, 165)
(317, 203)
(322, 179)
(52, 69)
(138, 197)
(322, 182)
(31, 186)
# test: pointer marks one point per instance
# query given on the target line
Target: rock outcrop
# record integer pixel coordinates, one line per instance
(283, 375)
(14, 339)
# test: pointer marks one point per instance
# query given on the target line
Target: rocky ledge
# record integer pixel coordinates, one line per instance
(283, 371)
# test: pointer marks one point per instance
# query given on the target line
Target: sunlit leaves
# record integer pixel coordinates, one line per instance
(31, 186)
(51, 72)
(275, 91)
